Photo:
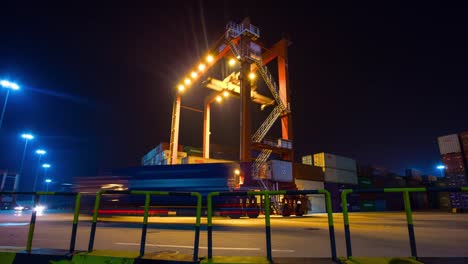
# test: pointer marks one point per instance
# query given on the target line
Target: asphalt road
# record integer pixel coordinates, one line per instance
(373, 234)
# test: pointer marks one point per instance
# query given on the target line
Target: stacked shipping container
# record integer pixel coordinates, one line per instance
(455, 158)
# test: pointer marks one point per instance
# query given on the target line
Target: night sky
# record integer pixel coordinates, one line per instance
(375, 83)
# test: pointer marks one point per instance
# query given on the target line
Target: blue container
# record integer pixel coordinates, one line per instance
(380, 205)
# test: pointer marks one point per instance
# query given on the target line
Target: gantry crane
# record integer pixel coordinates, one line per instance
(239, 42)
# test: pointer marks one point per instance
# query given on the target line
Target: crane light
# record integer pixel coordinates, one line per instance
(219, 99)
(187, 81)
(225, 93)
(209, 58)
(201, 67)
(232, 62)
(194, 75)
(252, 76)
(181, 87)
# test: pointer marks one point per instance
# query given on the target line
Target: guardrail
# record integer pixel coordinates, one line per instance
(145, 217)
(407, 203)
(267, 194)
(32, 223)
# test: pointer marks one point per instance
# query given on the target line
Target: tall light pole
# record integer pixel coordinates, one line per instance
(39, 152)
(9, 86)
(26, 137)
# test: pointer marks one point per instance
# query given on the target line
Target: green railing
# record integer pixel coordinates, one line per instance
(407, 203)
(32, 223)
(147, 195)
(267, 194)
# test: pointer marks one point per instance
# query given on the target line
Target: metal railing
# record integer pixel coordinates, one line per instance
(32, 223)
(407, 204)
(148, 195)
(267, 194)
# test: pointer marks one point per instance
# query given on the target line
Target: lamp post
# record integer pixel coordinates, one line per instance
(9, 86)
(26, 137)
(39, 152)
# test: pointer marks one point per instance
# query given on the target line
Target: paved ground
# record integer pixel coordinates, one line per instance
(373, 234)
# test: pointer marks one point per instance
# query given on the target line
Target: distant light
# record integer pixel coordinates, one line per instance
(209, 58)
(225, 93)
(27, 136)
(48, 180)
(232, 62)
(252, 76)
(18, 208)
(237, 172)
(181, 87)
(39, 208)
(46, 165)
(41, 152)
(9, 85)
(219, 99)
(201, 67)
(187, 81)
(194, 75)
(440, 167)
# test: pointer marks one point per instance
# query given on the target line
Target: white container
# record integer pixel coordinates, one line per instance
(327, 160)
(340, 176)
(283, 143)
(278, 170)
(449, 144)
(316, 201)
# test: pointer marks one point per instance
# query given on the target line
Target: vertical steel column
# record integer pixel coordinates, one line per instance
(93, 225)
(267, 226)
(344, 206)
(174, 144)
(32, 224)
(206, 131)
(409, 220)
(145, 225)
(75, 222)
(245, 97)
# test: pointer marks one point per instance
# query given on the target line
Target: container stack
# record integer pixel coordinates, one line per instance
(160, 155)
(454, 149)
(308, 177)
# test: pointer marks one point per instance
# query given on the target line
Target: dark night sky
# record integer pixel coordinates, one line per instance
(375, 83)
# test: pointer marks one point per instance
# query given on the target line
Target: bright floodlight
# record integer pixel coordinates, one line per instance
(237, 172)
(225, 93)
(232, 62)
(201, 67)
(27, 136)
(48, 180)
(9, 85)
(219, 99)
(187, 81)
(41, 152)
(209, 58)
(46, 165)
(181, 87)
(440, 167)
(252, 76)
(194, 75)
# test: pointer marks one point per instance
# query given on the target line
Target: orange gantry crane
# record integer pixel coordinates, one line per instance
(239, 43)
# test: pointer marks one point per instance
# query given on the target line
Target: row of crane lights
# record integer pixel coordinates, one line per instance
(194, 74)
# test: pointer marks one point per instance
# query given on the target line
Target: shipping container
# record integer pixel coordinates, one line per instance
(326, 160)
(193, 151)
(340, 176)
(278, 170)
(308, 160)
(307, 172)
(284, 143)
(201, 160)
(316, 201)
(335, 192)
(380, 205)
(367, 206)
(449, 144)
(454, 163)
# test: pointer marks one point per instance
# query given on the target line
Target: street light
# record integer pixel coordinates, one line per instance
(9, 86)
(26, 137)
(442, 169)
(45, 165)
(39, 152)
(47, 181)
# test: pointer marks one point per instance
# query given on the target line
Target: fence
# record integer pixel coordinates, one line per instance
(266, 195)
(32, 223)
(407, 204)
(148, 195)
